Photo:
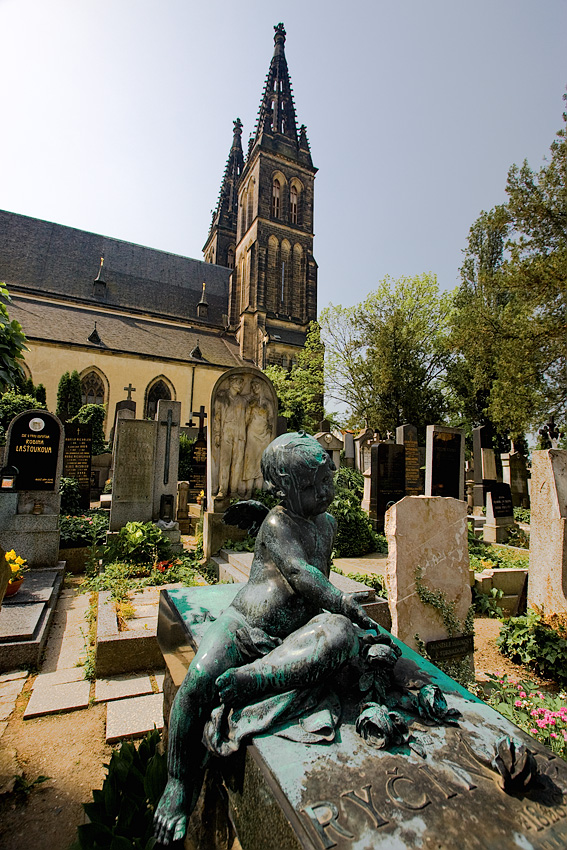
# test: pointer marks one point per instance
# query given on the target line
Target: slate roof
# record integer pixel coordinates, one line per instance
(70, 324)
(42, 257)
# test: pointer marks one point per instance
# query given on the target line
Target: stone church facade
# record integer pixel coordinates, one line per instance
(126, 315)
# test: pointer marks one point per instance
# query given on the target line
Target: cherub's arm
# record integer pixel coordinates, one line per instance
(287, 552)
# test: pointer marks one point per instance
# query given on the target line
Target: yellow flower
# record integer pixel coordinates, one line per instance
(20, 560)
(14, 568)
(11, 555)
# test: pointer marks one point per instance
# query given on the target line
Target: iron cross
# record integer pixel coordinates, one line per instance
(201, 415)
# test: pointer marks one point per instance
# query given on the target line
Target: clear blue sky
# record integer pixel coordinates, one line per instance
(117, 117)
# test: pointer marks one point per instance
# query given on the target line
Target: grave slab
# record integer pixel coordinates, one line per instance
(285, 795)
(120, 687)
(55, 698)
(132, 718)
(59, 677)
(20, 622)
(12, 675)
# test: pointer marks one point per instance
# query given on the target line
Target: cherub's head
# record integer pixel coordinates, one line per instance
(298, 469)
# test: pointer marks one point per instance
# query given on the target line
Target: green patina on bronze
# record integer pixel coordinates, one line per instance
(285, 639)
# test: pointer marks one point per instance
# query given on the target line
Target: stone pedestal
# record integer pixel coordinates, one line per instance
(285, 795)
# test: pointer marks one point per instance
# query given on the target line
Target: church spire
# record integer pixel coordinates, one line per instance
(277, 109)
(227, 205)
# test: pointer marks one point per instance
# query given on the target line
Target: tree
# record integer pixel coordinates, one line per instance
(69, 396)
(510, 320)
(12, 403)
(300, 389)
(12, 344)
(386, 358)
(93, 414)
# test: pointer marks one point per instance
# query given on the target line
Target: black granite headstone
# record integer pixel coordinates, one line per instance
(446, 465)
(388, 481)
(198, 474)
(34, 449)
(77, 458)
(501, 496)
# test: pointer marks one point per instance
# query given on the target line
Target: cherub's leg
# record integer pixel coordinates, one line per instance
(192, 706)
(306, 657)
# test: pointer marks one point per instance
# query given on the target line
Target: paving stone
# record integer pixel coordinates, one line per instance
(11, 689)
(53, 698)
(15, 674)
(119, 687)
(60, 677)
(20, 622)
(6, 708)
(132, 718)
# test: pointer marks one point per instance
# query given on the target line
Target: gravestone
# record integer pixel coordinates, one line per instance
(445, 462)
(134, 471)
(183, 507)
(499, 513)
(243, 419)
(515, 473)
(330, 443)
(484, 467)
(351, 795)
(349, 449)
(387, 480)
(166, 456)
(29, 513)
(547, 585)
(362, 442)
(198, 474)
(427, 544)
(406, 436)
(77, 458)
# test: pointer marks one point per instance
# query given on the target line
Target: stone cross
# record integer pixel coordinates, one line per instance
(201, 415)
(130, 389)
(169, 424)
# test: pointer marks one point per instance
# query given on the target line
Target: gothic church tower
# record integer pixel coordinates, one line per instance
(269, 227)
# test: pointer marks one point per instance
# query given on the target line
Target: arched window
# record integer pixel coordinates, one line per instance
(230, 257)
(92, 388)
(293, 204)
(276, 198)
(250, 203)
(157, 390)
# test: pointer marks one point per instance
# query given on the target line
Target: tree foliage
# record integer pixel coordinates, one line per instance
(12, 403)
(386, 358)
(12, 344)
(300, 389)
(510, 322)
(93, 414)
(69, 396)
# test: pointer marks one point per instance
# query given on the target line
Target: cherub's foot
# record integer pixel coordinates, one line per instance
(170, 819)
(238, 685)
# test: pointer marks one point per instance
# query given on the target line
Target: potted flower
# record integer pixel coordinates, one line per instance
(18, 567)
(200, 497)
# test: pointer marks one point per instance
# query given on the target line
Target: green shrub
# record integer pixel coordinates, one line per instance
(540, 714)
(530, 640)
(522, 515)
(355, 535)
(138, 543)
(13, 403)
(70, 497)
(350, 479)
(375, 581)
(121, 814)
(120, 577)
(83, 530)
(185, 446)
(486, 604)
(93, 414)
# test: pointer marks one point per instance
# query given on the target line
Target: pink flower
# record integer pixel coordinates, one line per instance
(554, 735)
(518, 703)
(533, 731)
(523, 694)
(542, 723)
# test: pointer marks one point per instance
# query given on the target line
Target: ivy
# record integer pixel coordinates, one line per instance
(438, 600)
